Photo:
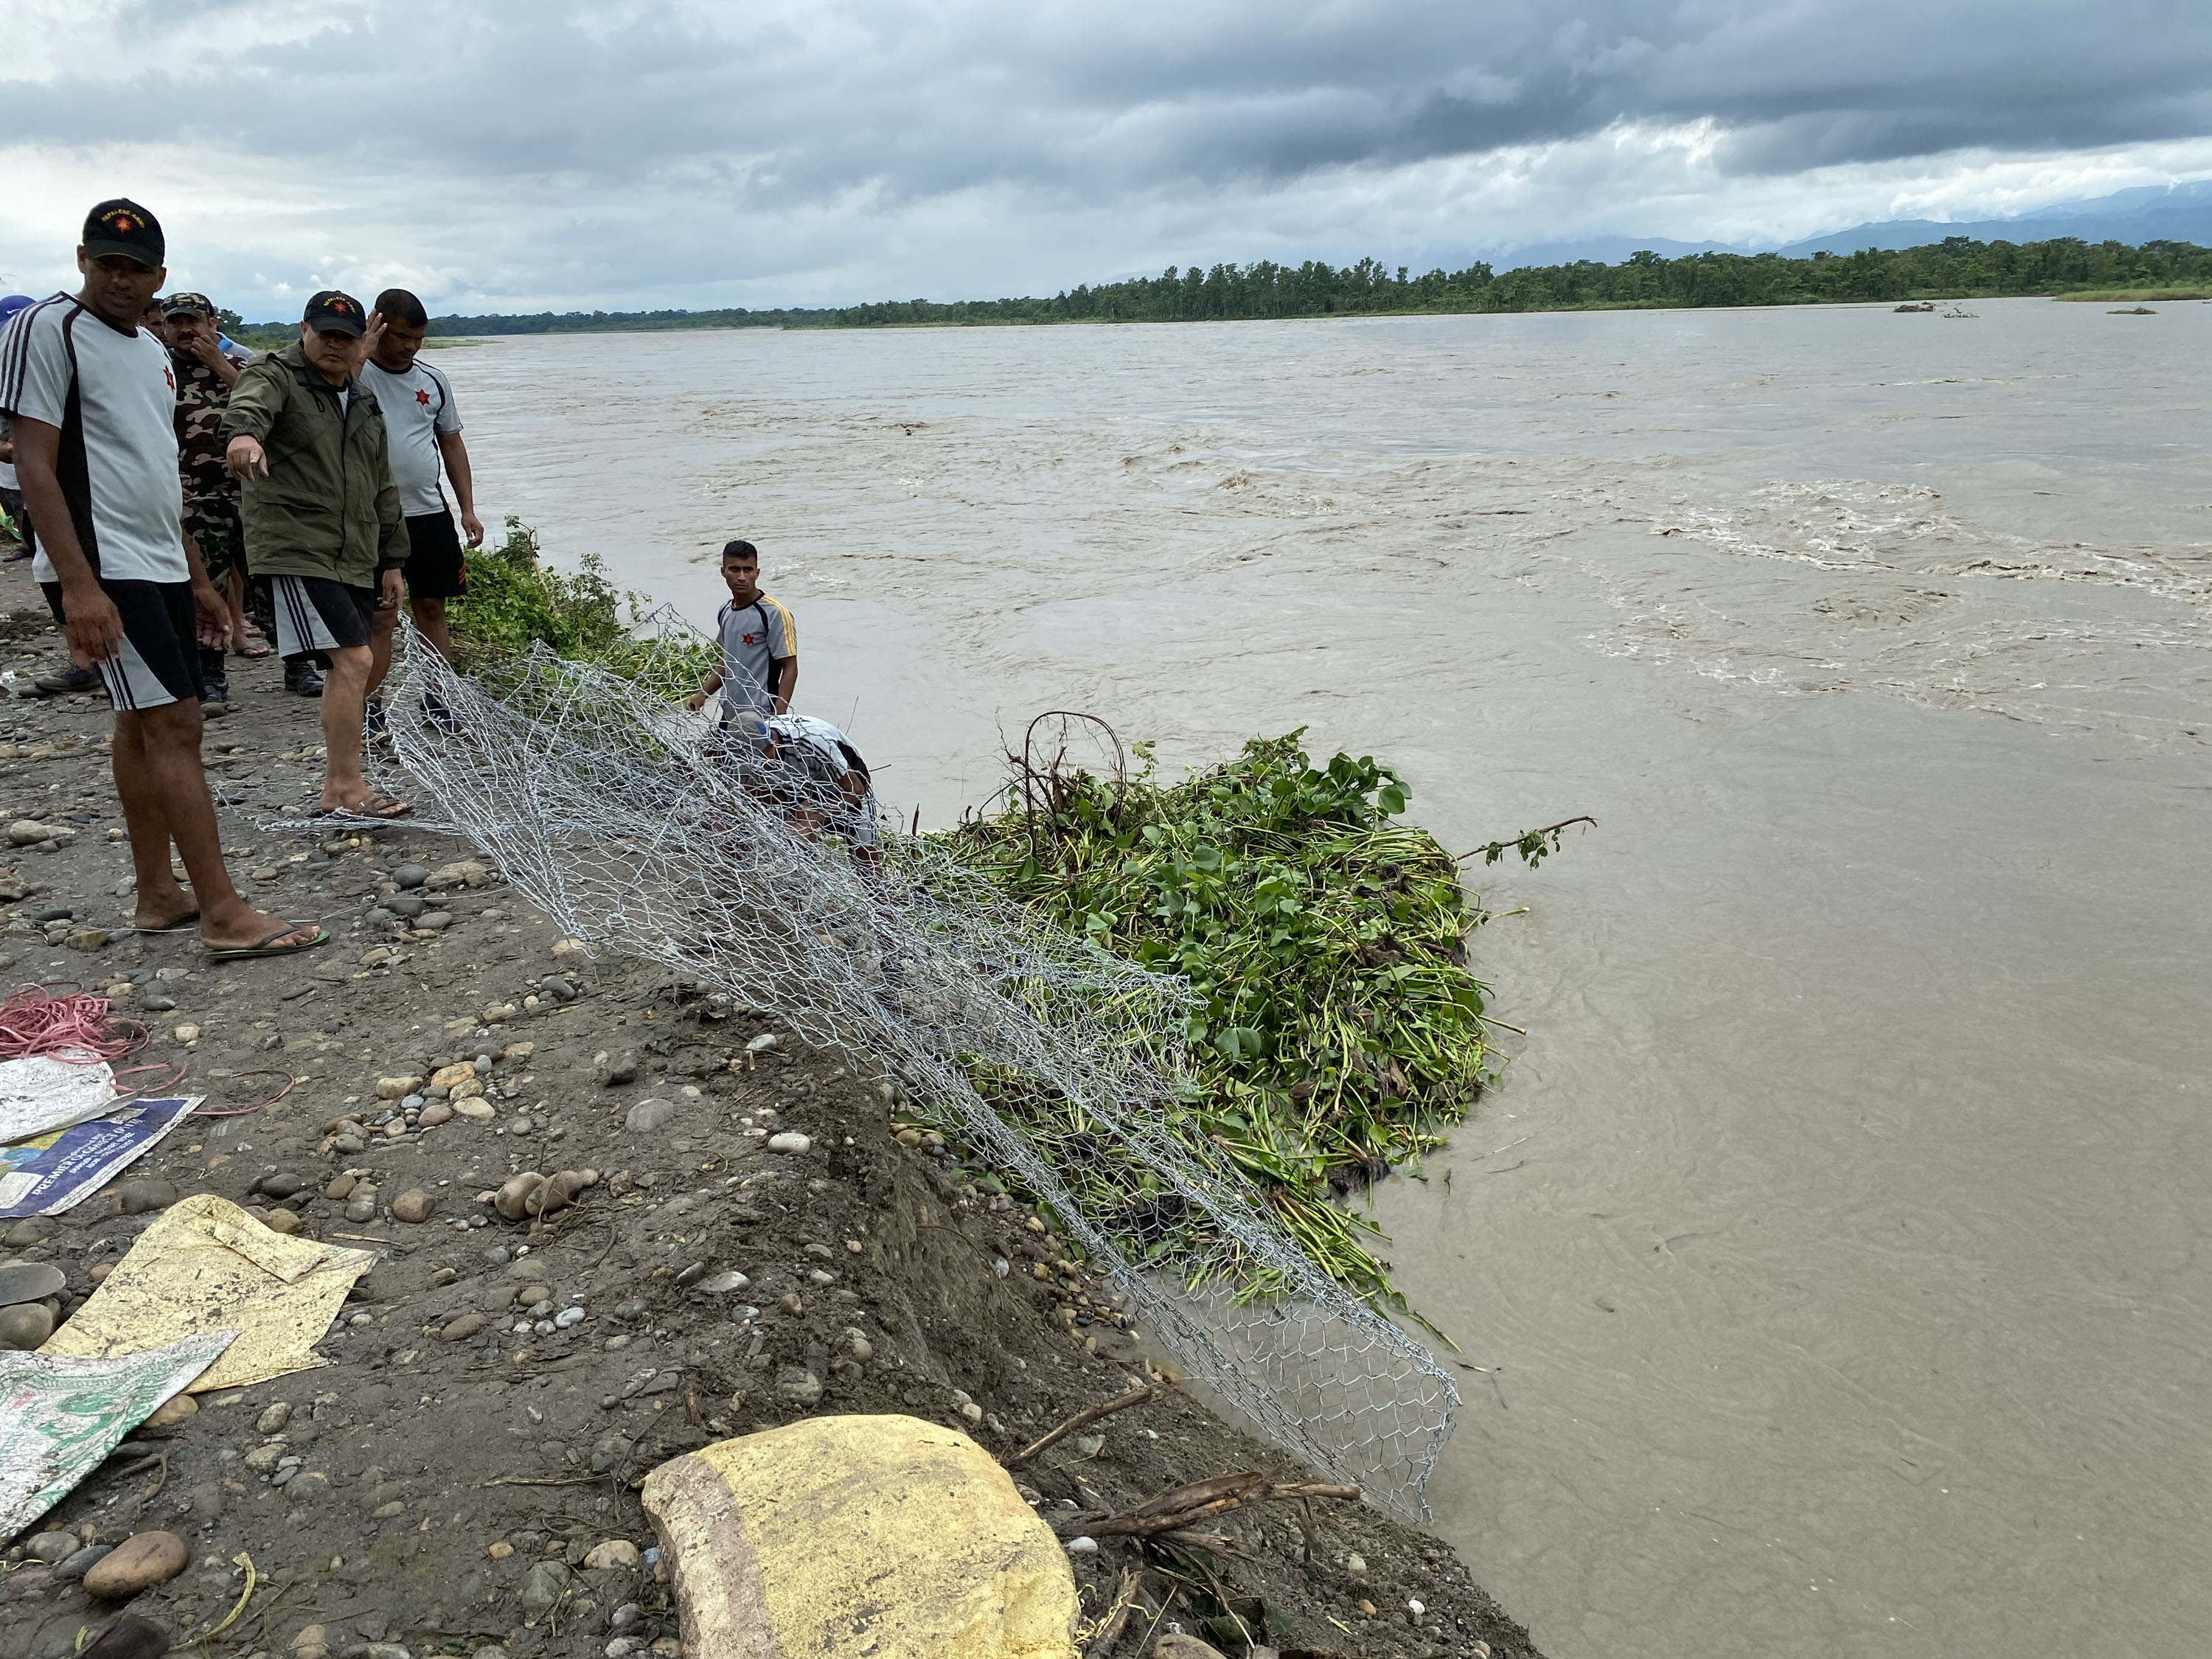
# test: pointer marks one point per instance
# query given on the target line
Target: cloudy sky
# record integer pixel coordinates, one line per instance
(518, 155)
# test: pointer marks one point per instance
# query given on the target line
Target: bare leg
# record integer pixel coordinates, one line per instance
(430, 618)
(165, 799)
(345, 688)
(233, 597)
(385, 624)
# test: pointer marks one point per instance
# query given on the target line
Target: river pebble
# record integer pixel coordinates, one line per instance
(414, 1205)
(25, 1325)
(648, 1116)
(138, 1563)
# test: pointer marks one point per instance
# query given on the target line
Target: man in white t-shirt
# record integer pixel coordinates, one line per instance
(424, 430)
(11, 498)
(91, 399)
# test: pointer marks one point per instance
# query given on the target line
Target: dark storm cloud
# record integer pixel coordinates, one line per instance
(500, 155)
(920, 100)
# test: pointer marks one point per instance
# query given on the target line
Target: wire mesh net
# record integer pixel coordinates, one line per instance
(759, 870)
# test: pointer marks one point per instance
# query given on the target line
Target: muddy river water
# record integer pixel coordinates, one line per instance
(1839, 1283)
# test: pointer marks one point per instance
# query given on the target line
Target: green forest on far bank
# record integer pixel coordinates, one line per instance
(1957, 267)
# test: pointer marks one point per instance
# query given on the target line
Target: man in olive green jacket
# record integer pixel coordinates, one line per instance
(322, 519)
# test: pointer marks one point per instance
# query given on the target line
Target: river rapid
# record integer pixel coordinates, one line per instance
(1837, 1284)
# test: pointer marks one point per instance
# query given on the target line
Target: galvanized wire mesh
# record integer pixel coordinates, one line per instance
(648, 831)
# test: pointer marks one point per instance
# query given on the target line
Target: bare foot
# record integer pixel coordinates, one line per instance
(247, 928)
(164, 913)
(368, 805)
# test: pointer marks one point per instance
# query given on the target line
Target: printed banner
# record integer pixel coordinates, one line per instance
(56, 1171)
(64, 1415)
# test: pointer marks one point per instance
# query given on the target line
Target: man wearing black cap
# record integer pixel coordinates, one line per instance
(91, 400)
(322, 519)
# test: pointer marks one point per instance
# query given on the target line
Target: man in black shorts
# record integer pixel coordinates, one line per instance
(90, 398)
(322, 519)
(423, 428)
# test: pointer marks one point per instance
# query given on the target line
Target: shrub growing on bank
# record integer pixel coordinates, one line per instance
(515, 600)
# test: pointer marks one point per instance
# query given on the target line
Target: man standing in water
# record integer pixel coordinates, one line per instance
(322, 519)
(90, 400)
(424, 430)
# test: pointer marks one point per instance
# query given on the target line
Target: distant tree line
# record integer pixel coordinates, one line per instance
(606, 322)
(1957, 267)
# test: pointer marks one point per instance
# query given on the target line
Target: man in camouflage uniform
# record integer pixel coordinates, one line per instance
(204, 377)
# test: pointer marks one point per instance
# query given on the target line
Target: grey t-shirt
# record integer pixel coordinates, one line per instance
(755, 641)
(418, 410)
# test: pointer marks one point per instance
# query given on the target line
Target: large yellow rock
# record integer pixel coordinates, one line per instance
(859, 1538)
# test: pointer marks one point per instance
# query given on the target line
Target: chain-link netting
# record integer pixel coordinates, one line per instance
(648, 831)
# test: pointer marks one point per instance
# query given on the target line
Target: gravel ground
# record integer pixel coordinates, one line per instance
(497, 1389)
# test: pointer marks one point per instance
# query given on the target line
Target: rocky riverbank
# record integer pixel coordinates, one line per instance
(740, 1239)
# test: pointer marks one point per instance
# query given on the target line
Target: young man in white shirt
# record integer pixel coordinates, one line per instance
(424, 427)
(91, 398)
(757, 673)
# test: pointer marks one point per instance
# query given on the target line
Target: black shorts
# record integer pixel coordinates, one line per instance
(159, 662)
(436, 569)
(319, 613)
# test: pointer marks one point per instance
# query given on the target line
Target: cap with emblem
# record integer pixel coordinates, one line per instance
(333, 312)
(188, 304)
(122, 227)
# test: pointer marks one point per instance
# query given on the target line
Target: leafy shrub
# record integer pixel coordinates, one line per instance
(515, 600)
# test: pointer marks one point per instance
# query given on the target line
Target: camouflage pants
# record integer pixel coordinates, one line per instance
(213, 522)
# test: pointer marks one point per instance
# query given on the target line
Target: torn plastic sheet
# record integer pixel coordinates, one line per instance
(205, 1265)
(65, 1414)
(60, 1170)
(41, 1093)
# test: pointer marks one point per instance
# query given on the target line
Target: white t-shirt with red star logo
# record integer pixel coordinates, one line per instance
(418, 409)
(114, 395)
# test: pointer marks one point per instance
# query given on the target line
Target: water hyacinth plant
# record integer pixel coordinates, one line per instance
(1340, 1031)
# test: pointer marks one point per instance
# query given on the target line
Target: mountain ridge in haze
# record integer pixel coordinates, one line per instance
(2146, 213)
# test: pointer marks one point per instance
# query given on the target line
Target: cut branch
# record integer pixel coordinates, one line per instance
(1082, 1420)
(1534, 840)
(1201, 1500)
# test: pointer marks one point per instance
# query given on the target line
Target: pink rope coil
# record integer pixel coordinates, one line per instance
(74, 1028)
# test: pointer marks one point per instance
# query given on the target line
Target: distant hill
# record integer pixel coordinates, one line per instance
(2148, 213)
(2181, 213)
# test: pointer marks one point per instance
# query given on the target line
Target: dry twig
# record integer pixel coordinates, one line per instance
(1082, 1420)
(1125, 1600)
(1201, 1500)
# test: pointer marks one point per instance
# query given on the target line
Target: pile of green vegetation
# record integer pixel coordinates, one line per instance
(1339, 1031)
(515, 600)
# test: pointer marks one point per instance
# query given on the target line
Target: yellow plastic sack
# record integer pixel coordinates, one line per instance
(859, 1538)
(205, 1265)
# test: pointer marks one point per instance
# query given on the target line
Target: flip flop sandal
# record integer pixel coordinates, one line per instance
(190, 918)
(376, 806)
(255, 649)
(268, 946)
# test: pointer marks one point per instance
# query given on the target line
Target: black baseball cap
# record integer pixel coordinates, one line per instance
(123, 226)
(333, 312)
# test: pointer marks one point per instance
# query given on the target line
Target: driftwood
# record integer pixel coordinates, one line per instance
(1082, 1420)
(1125, 1602)
(1201, 1500)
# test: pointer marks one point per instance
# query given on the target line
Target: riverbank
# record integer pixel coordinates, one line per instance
(1958, 268)
(439, 1486)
